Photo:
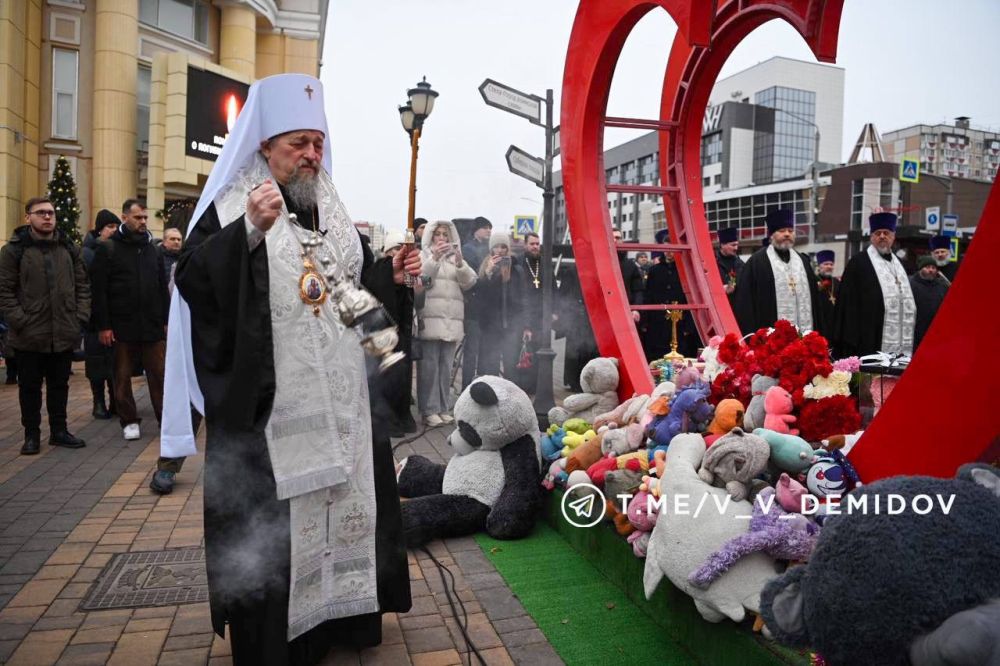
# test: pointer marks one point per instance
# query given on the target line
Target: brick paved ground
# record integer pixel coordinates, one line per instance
(65, 513)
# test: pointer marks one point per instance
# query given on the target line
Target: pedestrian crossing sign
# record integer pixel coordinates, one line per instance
(524, 224)
(909, 171)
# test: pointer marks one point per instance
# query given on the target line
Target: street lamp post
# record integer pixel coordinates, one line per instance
(412, 115)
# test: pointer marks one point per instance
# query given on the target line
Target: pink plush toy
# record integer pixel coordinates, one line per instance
(642, 520)
(778, 407)
(789, 493)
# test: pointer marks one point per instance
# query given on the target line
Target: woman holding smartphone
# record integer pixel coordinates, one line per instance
(444, 277)
(499, 319)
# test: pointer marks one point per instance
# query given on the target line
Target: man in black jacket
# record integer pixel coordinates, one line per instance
(45, 299)
(130, 310)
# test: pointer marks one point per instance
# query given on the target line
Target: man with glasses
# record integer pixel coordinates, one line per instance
(45, 298)
(130, 310)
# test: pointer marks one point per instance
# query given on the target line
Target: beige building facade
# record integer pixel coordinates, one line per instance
(105, 83)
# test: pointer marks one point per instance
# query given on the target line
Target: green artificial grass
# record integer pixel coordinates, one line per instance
(586, 617)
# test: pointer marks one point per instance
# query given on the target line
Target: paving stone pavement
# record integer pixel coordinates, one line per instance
(65, 513)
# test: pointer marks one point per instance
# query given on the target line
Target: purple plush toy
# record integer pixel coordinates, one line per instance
(782, 535)
(689, 412)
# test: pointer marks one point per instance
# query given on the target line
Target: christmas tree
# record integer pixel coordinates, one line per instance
(62, 194)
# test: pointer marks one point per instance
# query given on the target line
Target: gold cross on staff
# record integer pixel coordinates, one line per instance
(309, 91)
(674, 316)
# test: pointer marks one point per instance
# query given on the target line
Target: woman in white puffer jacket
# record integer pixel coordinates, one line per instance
(444, 277)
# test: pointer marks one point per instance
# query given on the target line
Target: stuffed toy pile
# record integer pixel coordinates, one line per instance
(759, 437)
(492, 482)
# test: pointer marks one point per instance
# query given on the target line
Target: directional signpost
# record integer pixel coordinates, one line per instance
(512, 101)
(526, 166)
(538, 171)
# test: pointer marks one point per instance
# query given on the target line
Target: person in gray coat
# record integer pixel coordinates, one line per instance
(444, 277)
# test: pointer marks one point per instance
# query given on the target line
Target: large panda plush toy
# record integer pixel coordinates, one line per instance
(492, 483)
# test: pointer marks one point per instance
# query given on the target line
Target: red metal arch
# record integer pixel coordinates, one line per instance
(599, 32)
(949, 383)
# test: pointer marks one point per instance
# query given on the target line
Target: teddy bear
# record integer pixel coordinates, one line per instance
(917, 587)
(492, 482)
(728, 415)
(680, 543)
(782, 535)
(754, 417)
(628, 412)
(734, 460)
(778, 411)
(599, 380)
(584, 455)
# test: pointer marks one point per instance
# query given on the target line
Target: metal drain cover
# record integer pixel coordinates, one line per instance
(145, 579)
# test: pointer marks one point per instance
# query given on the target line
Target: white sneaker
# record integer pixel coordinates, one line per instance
(446, 417)
(131, 431)
(433, 420)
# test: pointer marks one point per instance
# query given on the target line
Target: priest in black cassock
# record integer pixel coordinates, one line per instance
(663, 286)
(875, 310)
(777, 282)
(727, 258)
(303, 538)
(941, 251)
(829, 287)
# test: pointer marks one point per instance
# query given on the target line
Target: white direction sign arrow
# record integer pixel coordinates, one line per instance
(512, 101)
(525, 165)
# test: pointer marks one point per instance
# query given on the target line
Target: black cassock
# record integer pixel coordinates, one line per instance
(729, 270)
(829, 292)
(227, 289)
(664, 286)
(860, 311)
(754, 302)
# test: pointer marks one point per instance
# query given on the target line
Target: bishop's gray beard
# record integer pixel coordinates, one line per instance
(885, 253)
(941, 262)
(301, 189)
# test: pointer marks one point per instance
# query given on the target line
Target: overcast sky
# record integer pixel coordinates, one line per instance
(906, 62)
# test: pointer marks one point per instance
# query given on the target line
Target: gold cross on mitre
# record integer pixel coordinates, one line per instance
(309, 91)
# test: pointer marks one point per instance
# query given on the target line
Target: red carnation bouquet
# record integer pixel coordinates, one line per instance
(794, 361)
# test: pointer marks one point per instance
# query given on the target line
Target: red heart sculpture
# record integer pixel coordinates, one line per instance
(599, 32)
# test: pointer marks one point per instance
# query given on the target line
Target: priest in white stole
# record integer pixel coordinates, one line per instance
(875, 310)
(777, 282)
(302, 527)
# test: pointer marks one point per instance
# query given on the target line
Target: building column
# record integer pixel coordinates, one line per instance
(116, 42)
(238, 39)
(13, 24)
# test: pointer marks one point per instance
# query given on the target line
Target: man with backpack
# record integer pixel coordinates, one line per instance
(45, 299)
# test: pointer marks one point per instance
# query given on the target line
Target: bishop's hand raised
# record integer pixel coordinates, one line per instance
(264, 205)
